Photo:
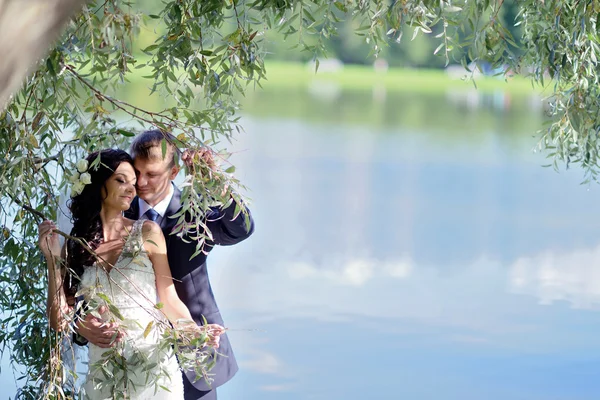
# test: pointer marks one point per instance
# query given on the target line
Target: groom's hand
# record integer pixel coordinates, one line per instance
(97, 331)
(193, 157)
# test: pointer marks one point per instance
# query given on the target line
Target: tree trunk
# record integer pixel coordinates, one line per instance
(27, 30)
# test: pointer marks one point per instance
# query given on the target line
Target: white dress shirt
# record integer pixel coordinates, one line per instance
(160, 208)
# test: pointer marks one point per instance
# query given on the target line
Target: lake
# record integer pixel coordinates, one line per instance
(408, 247)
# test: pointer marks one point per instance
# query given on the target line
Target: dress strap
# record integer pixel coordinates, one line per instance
(135, 240)
(136, 230)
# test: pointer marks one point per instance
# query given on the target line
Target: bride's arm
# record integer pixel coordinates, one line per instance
(56, 305)
(156, 247)
(174, 308)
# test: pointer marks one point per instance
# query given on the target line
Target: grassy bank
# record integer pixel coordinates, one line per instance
(288, 75)
(282, 75)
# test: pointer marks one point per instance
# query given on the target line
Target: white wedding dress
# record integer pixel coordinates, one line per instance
(147, 371)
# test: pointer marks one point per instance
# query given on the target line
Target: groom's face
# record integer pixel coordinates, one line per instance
(154, 175)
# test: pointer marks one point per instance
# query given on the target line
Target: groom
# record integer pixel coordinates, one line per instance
(157, 200)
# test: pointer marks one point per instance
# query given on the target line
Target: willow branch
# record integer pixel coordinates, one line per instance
(126, 107)
(28, 208)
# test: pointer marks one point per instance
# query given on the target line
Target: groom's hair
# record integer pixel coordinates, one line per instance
(142, 146)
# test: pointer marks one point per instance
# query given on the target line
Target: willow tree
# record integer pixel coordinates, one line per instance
(205, 53)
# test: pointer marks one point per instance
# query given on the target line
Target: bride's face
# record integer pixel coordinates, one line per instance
(119, 189)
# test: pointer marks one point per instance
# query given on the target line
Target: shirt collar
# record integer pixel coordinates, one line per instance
(160, 208)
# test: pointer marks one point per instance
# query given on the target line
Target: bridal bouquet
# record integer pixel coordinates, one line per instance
(119, 367)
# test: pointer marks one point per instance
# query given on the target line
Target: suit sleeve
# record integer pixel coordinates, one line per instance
(227, 230)
(79, 307)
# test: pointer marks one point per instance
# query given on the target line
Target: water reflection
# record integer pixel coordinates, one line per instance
(384, 262)
(572, 277)
(451, 114)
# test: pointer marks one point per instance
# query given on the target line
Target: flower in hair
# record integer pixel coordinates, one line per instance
(85, 178)
(82, 165)
(80, 178)
(77, 188)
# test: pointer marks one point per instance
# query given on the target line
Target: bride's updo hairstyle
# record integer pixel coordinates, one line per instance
(85, 209)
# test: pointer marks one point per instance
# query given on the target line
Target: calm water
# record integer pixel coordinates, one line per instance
(418, 252)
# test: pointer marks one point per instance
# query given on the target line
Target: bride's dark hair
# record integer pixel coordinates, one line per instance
(85, 210)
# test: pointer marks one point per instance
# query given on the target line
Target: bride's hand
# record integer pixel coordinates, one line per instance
(48, 240)
(214, 332)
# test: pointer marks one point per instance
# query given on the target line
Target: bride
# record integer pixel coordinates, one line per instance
(120, 267)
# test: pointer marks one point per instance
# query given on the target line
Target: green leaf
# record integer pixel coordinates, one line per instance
(341, 6)
(150, 48)
(439, 48)
(125, 133)
(163, 146)
(148, 329)
(452, 9)
(113, 309)
(103, 297)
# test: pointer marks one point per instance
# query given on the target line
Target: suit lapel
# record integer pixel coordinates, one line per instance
(168, 223)
(133, 212)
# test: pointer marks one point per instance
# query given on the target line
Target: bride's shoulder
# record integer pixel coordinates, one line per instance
(152, 236)
(150, 228)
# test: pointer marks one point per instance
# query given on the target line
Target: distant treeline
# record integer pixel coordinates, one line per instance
(350, 48)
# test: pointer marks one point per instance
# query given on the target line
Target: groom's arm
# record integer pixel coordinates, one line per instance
(226, 227)
(79, 306)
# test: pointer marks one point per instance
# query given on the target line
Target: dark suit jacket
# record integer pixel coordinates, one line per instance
(191, 276)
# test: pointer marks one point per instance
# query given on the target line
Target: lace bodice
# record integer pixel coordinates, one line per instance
(130, 284)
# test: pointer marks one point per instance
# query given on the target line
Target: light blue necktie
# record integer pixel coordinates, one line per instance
(151, 214)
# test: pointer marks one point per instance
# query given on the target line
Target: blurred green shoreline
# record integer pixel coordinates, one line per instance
(352, 77)
(362, 77)
(423, 100)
